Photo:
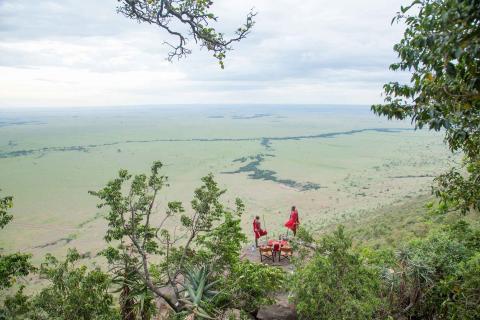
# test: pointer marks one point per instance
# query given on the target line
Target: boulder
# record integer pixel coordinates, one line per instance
(164, 311)
(169, 293)
(276, 312)
(231, 314)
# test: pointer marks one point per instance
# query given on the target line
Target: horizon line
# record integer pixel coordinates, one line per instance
(162, 105)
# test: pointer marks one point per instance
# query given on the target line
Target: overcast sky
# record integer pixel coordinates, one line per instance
(82, 53)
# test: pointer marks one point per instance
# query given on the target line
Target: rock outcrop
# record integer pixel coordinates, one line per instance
(276, 312)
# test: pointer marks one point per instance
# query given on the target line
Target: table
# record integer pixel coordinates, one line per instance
(276, 246)
(281, 243)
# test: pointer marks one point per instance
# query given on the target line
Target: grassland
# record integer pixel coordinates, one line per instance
(335, 163)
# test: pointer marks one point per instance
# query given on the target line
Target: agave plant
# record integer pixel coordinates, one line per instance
(413, 278)
(136, 300)
(198, 291)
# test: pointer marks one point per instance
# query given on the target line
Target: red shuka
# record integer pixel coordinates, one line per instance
(293, 222)
(257, 229)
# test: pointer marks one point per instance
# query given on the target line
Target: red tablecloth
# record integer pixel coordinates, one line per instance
(273, 242)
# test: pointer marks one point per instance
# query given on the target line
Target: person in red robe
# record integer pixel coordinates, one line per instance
(257, 229)
(293, 222)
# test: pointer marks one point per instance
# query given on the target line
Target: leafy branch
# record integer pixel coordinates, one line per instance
(196, 15)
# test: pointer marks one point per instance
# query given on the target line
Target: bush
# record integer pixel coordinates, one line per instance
(435, 277)
(463, 291)
(250, 285)
(335, 283)
(73, 292)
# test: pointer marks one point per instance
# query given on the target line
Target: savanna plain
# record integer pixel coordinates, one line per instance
(337, 164)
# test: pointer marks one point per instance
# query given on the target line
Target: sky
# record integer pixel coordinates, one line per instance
(72, 53)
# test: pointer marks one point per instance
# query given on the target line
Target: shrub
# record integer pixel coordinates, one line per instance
(73, 292)
(435, 276)
(250, 285)
(464, 291)
(335, 283)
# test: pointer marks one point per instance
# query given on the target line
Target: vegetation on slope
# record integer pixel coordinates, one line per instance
(435, 276)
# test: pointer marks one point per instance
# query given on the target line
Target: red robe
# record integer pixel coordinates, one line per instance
(257, 229)
(293, 222)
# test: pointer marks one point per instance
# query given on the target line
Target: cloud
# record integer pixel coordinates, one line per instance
(96, 53)
(30, 19)
(74, 53)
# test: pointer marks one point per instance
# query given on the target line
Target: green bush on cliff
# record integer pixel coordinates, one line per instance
(432, 277)
(335, 283)
(250, 285)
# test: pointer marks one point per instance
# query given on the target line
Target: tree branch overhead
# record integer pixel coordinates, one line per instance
(196, 15)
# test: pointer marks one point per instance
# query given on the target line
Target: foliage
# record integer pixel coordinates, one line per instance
(195, 15)
(70, 293)
(73, 292)
(464, 290)
(335, 283)
(12, 266)
(305, 235)
(440, 47)
(199, 291)
(210, 235)
(129, 218)
(250, 285)
(136, 300)
(421, 266)
(5, 204)
(437, 277)
(430, 277)
(427, 281)
(222, 245)
(464, 233)
(375, 257)
(79, 293)
(17, 306)
(458, 191)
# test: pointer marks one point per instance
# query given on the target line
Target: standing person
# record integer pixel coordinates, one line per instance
(293, 222)
(257, 229)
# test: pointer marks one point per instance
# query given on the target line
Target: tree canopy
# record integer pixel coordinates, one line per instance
(203, 246)
(441, 49)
